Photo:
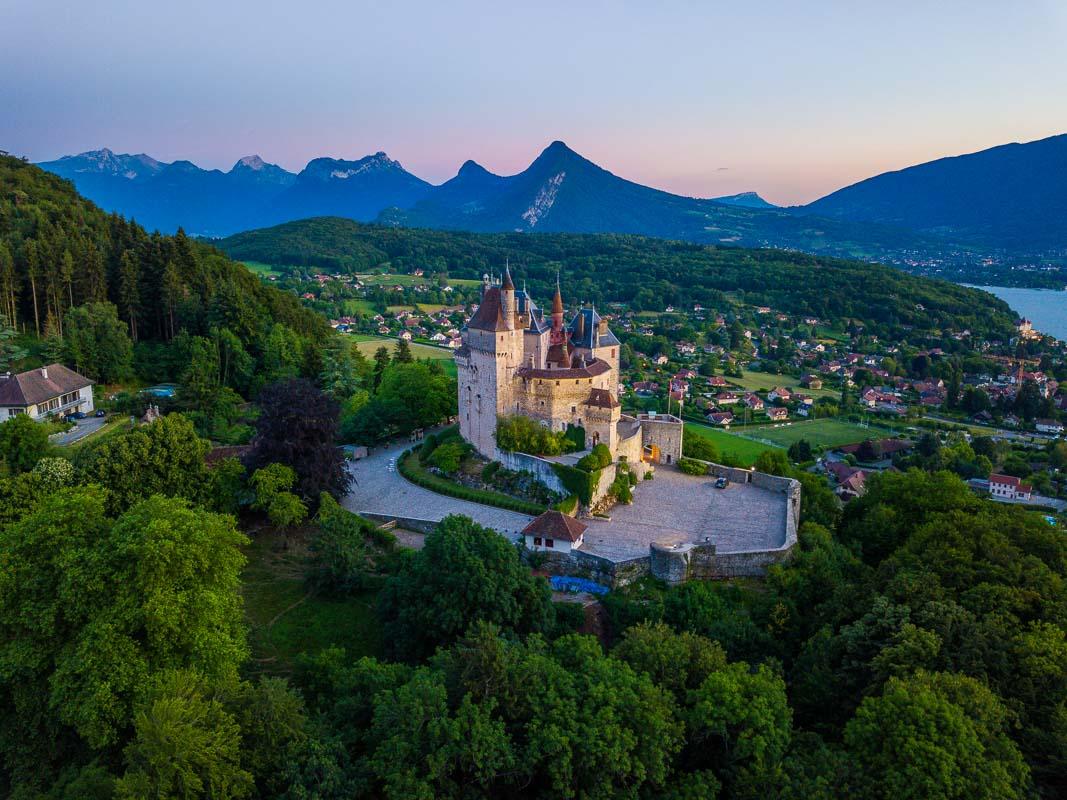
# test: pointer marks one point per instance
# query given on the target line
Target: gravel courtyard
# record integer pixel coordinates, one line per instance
(675, 508)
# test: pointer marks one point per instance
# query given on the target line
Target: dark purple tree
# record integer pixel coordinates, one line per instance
(297, 426)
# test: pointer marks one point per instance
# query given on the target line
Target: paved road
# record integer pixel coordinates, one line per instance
(381, 491)
(81, 429)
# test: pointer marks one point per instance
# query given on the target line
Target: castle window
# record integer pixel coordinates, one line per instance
(576, 381)
(557, 383)
(574, 409)
(613, 352)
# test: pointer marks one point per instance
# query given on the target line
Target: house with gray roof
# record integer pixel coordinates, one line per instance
(45, 392)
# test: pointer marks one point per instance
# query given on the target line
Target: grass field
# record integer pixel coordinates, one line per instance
(754, 381)
(354, 306)
(367, 344)
(744, 451)
(818, 432)
(266, 270)
(395, 279)
(286, 619)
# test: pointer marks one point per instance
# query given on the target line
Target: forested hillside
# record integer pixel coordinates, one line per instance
(58, 250)
(643, 272)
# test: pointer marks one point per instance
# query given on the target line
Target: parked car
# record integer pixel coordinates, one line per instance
(100, 413)
(722, 483)
(78, 415)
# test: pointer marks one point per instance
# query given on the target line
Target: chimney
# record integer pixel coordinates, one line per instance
(44, 372)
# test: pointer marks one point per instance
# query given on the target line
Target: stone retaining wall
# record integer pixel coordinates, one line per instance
(407, 523)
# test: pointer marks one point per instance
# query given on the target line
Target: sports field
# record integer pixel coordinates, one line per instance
(819, 433)
(744, 451)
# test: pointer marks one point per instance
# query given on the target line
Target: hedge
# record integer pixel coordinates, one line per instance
(420, 477)
(690, 466)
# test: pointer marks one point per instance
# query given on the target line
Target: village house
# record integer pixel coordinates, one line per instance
(779, 393)
(1008, 487)
(777, 414)
(1049, 426)
(754, 402)
(46, 392)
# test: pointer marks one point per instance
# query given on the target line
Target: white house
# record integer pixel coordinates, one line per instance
(554, 531)
(1050, 426)
(45, 392)
(1008, 487)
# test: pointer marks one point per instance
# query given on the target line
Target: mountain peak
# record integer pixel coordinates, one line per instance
(471, 168)
(251, 162)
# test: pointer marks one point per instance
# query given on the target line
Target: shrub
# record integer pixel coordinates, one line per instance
(598, 458)
(448, 457)
(692, 467)
(490, 470)
(568, 504)
(54, 472)
(701, 448)
(524, 435)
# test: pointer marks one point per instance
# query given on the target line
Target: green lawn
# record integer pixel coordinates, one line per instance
(819, 432)
(396, 279)
(285, 619)
(754, 381)
(367, 344)
(744, 451)
(356, 306)
(265, 270)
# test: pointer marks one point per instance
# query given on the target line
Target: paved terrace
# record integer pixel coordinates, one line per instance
(377, 490)
(675, 508)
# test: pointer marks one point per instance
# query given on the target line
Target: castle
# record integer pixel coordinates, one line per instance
(514, 360)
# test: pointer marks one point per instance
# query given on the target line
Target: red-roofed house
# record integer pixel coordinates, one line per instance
(1008, 487)
(554, 531)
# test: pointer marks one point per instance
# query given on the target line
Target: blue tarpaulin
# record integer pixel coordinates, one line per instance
(563, 583)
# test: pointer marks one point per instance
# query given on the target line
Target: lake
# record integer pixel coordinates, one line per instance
(1046, 308)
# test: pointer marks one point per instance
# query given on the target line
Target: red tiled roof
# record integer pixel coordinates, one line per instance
(555, 525)
(601, 398)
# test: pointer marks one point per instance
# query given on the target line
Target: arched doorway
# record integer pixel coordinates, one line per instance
(650, 454)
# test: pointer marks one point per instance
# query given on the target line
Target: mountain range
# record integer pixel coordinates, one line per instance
(1006, 199)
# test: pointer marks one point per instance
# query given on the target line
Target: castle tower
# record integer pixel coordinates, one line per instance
(492, 350)
(507, 299)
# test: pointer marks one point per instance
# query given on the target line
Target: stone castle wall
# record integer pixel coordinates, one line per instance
(665, 432)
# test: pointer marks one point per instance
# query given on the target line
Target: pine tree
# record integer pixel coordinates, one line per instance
(403, 353)
(10, 352)
(54, 346)
(129, 291)
(381, 361)
(33, 272)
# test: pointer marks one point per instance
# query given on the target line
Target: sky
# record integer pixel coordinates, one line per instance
(789, 99)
